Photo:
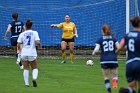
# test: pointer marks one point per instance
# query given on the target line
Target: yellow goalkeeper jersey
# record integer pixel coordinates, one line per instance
(68, 29)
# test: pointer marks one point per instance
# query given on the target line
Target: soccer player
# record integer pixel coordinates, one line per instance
(69, 32)
(29, 39)
(108, 60)
(132, 43)
(16, 28)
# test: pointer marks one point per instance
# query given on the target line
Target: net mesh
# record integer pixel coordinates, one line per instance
(88, 15)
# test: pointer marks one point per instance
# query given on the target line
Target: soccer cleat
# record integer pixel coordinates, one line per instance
(123, 90)
(72, 62)
(63, 62)
(21, 67)
(114, 83)
(27, 85)
(18, 61)
(34, 83)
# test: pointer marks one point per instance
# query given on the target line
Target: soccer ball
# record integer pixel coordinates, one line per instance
(90, 63)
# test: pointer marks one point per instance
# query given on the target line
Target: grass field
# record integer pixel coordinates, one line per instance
(57, 78)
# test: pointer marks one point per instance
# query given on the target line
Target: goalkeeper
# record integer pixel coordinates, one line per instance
(69, 32)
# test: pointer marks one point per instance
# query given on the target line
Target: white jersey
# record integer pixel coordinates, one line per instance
(28, 38)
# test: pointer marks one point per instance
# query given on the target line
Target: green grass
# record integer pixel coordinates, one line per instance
(57, 78)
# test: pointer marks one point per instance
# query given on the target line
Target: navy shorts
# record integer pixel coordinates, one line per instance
(14, 41)
(68, 40)
(133, 71)
(109, 65)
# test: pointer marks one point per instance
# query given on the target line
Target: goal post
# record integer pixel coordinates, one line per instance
(127, 16)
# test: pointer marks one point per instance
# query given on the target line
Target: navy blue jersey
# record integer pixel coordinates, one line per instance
(16, 29)
(108, 48)
(132, 41)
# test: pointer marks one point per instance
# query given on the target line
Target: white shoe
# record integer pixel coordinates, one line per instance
(18, 61)
(21, 67)
(63, 62)
(72, 62)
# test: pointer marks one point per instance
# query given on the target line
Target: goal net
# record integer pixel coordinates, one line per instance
(88, 15)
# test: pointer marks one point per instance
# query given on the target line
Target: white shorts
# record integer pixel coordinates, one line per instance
(28, 58)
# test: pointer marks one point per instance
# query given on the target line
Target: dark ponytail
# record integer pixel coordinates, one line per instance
(15, 16)
(106, 30)
(135, 21)
(29, 24)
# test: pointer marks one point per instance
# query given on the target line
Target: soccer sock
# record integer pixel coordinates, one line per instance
(64, 56)
(138, 90)
(20, 64)
(107, 84)
(17, 55)
(18, 58)
(115, 79)
(71, 57)
(26, 76)
(114, 82)
(131, 90)
(35, 74)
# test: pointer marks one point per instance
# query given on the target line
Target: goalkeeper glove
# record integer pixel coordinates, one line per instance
(76, 35)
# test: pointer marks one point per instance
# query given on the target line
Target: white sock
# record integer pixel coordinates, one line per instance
(26, 76)
(115, 78)
(35, 74)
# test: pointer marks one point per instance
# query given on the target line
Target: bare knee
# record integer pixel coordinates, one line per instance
(133, 85)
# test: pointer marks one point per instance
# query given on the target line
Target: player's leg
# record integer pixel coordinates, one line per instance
(133, 86)
(138, 75)
(34, 71)
(114, 77)
(106, 73)
(114, 70)
(71, 46)
(130, 75)
(139, 86)
(14, 44)
(19, 58)
(26, 72)
(63, 49)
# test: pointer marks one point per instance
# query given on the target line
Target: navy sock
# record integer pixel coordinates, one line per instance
(107, 84)
(16, 55)
(20, 64)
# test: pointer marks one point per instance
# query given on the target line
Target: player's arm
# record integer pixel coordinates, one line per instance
(96, 49)
(7, 31)
(75, 31)
(121, 45)
(19, 43)
(23, 28)
(37, 41)
(19, 46)
(116, 44)
(57, 25)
